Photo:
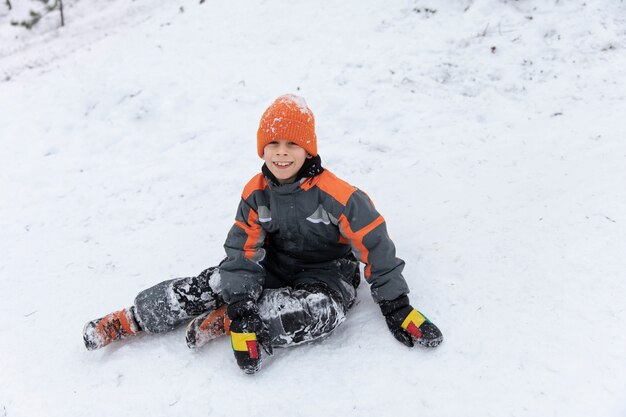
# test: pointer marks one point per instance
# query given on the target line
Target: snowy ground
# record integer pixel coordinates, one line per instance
(490, 134)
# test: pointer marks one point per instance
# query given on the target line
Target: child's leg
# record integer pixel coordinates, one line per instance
(302, 314)
(163, 307)
(291, 316)
(315, 306)
(298, 304)
(157, 309)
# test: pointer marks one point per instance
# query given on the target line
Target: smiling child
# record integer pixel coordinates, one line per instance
(292, 260)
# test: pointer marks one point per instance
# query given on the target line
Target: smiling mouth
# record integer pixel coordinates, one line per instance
(282, 165)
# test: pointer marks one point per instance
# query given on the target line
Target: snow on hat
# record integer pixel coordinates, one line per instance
(288, 118)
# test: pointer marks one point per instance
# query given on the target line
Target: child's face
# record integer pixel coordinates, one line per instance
(284, 159)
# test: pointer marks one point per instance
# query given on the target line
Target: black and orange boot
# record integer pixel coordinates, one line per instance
(208, 326)
(115, 326)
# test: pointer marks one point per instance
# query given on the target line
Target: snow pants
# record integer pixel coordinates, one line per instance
(296, 314)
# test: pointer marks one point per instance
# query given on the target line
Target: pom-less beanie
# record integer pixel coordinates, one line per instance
(288, 118)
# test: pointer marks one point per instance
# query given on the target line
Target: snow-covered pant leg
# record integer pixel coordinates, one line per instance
(341, 275)
(301, 314)
(170, 303)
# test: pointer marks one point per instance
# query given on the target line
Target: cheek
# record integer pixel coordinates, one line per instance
(299, 164)
(301, 156)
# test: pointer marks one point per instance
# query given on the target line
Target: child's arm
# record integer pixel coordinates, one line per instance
(365, 228)
(242, 279)
(241, 272)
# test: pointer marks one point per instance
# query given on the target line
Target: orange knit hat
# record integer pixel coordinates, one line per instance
(288, 118)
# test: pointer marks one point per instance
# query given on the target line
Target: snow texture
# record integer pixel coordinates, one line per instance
(489, 134)
(300, 102)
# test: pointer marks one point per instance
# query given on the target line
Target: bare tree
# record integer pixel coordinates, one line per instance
(8, 4)
(61, 11)
(35, 16)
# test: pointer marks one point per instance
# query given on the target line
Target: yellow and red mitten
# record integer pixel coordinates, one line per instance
(408, 325)
(248, 335)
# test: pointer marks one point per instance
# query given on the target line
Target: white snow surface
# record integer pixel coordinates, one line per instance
(490, 134)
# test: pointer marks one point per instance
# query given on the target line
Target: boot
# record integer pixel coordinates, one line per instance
(208, 326)
(115, 326)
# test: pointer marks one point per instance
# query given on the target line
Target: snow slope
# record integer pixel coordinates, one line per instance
(488, 133)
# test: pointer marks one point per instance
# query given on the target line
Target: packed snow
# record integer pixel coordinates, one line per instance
(490, 135)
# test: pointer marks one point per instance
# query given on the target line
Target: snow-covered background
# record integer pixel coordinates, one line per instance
(490, 134)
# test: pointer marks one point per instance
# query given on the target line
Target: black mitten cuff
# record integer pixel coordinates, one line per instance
(388, 307)
(241, 309)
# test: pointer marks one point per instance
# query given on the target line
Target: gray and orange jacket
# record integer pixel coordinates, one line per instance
(299, 232)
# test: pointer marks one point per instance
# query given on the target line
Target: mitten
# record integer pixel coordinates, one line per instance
(248, 335)
(409, 325)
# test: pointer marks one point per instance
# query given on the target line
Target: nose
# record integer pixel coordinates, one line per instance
(281, 149)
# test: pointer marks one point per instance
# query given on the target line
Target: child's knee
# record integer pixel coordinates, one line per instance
(324, 305)
(166, 305)
(303, 314)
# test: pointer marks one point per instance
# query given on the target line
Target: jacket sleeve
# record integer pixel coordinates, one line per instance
(365, 228)
(242, 275)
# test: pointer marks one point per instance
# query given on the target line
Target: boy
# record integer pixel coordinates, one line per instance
(291, 269)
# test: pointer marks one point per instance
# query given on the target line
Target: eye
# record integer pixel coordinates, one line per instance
(273, 143)
(292, 144)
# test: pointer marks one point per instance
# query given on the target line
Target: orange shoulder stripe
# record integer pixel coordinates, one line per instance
(253, 232)
(331, 185)
(357, 238)
(258, 182)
